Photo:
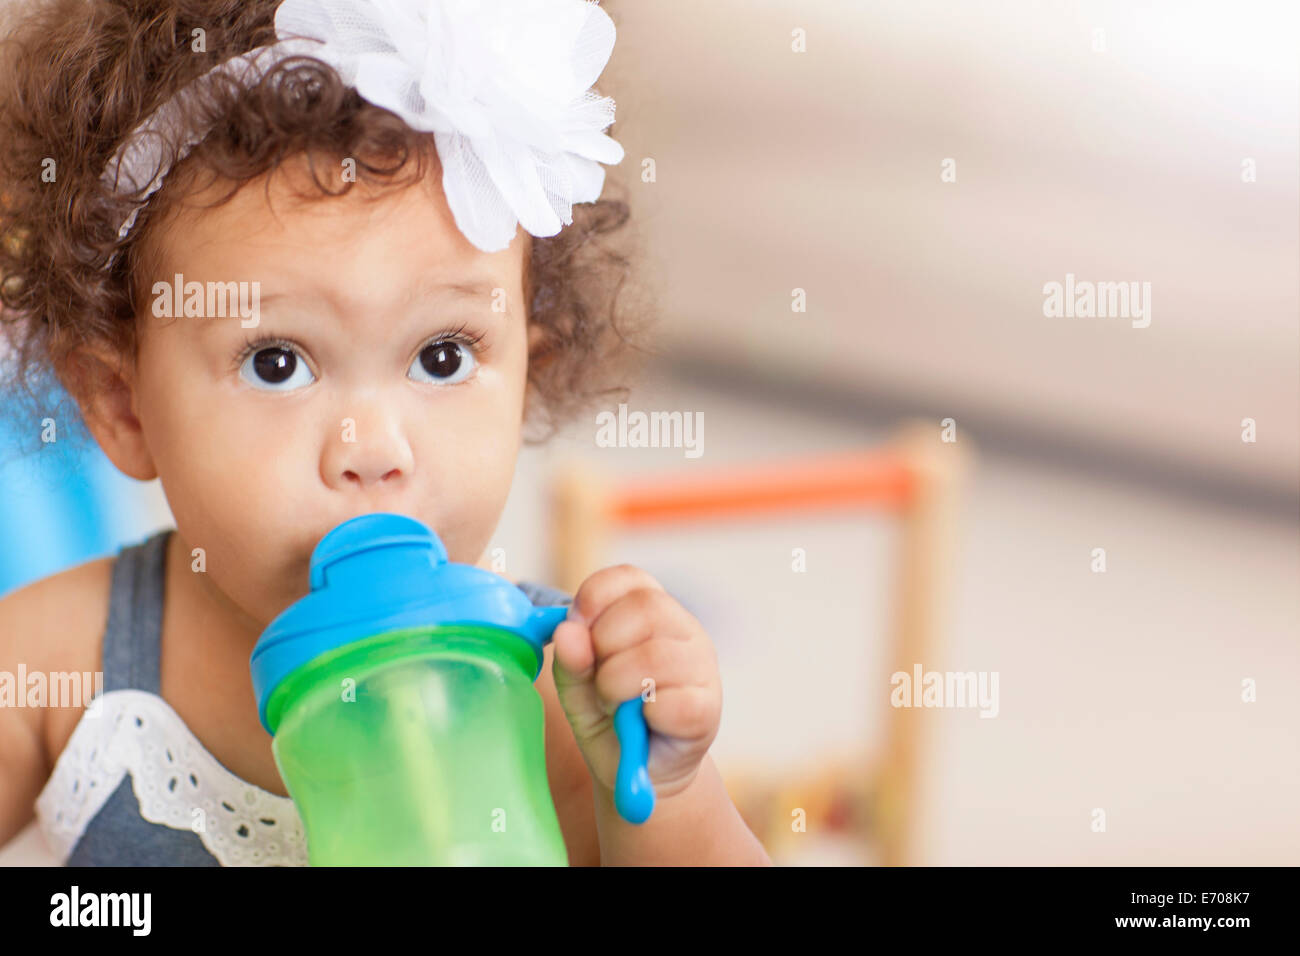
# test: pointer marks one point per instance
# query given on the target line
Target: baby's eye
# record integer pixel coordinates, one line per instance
(446, 363)
(277, 369)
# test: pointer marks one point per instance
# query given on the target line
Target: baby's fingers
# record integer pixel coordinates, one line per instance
(651, 666)
(688, 712)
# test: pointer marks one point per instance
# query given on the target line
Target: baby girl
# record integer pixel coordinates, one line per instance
(417, 204)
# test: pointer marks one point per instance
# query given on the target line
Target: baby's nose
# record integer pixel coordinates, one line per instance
(369, 454)
(364, 477)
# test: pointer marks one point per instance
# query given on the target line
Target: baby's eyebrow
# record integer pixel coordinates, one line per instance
(428, 288)
(463, 288)
(467, 289)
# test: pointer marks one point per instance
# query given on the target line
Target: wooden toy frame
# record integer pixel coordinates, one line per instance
(916, 478)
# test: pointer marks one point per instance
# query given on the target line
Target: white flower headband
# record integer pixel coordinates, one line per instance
(504, 86)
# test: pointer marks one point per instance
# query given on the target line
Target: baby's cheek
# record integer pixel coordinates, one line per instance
(464, 502)
(237, 492)
(240, 465)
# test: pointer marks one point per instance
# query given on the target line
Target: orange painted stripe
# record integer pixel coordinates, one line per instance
(877, 479)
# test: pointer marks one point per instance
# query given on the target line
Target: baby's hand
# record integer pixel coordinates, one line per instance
(623, 628)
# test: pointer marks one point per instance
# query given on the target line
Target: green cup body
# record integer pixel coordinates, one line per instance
(421, 747)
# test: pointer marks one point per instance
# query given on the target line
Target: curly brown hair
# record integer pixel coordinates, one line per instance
(77, 76)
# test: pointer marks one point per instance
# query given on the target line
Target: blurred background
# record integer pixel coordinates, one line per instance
(920, 170)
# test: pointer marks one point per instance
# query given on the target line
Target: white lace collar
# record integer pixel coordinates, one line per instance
(177, 782)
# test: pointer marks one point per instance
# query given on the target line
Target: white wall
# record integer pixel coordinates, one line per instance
(821, 171)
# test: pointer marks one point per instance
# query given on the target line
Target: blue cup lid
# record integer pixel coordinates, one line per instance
(383, 572)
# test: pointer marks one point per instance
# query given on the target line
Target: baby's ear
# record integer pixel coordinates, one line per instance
(103, 387)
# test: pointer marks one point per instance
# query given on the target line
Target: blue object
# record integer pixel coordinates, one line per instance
(634, 795)
(383, 572)
(63, 502)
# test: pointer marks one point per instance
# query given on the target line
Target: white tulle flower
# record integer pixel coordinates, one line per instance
(504, 86)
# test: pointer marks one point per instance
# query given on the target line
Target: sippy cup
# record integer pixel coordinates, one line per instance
(400, 697)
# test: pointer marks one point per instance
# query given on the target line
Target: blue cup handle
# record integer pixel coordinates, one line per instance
(634, 794)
